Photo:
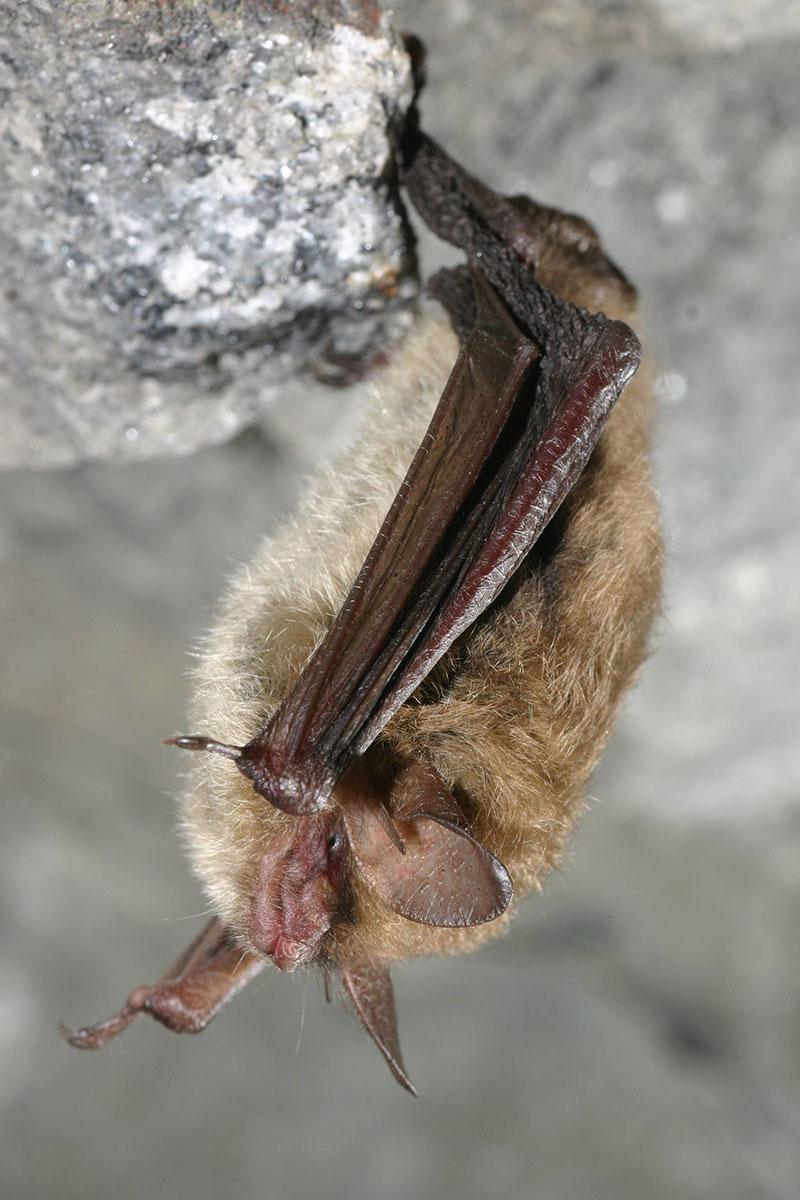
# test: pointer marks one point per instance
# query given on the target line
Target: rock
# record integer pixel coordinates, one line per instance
(197, 206)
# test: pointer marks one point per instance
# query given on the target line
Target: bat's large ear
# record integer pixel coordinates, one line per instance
(372, 995)
(443, 877)
(197, 986)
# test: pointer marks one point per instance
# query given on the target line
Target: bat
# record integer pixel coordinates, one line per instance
(408, 688)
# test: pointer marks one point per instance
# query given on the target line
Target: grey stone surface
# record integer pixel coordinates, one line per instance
(637, 1036)
(197, 207)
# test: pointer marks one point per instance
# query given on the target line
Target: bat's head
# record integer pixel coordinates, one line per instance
(390, 848)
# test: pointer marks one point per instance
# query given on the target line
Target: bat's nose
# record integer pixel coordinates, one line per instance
(286, 954)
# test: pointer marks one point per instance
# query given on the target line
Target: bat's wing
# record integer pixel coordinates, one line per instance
(529, 394)
(516, 424)
(370, 990)
(209, 973)
(366, 665)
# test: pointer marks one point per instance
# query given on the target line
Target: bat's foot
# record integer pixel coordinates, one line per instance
(94, 1037)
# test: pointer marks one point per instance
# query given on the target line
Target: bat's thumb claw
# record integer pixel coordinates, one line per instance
(196, 742)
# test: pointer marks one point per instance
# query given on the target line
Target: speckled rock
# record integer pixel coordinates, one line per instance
(196, 207)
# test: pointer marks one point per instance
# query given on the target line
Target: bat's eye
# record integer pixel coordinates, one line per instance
(334, 842)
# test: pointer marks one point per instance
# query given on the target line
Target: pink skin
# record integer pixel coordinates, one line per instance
(295, 898)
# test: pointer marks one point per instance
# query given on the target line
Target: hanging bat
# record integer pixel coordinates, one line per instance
(407, 689)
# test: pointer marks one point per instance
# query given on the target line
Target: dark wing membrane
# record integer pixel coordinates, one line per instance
(520, 495)
(311, 738)
(468, 512)
(510, 436)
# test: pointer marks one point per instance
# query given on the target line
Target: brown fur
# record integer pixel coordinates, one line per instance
(517, 714)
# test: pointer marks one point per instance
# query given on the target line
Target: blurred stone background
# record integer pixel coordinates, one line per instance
(638, 1033)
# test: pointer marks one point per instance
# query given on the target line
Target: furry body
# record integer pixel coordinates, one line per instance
(514, 717)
